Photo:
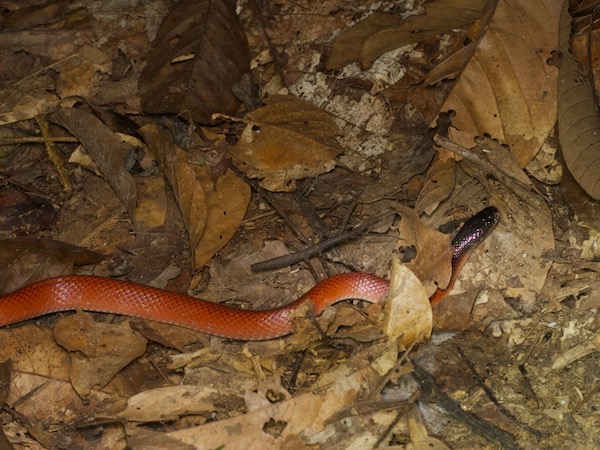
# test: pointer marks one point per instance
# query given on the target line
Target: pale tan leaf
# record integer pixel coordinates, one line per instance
(171, 402)
(287, 139)
(507, 90)
(382, 32)
(306, 414)
(408, 316)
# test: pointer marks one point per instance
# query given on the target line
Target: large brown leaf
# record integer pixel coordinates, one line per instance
(382, 32)
(200, 52)
(107, 151)
(212, 214)
(507, 89)
(287, 139)
(578, 117)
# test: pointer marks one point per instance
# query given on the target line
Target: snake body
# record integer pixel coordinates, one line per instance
(91, 293)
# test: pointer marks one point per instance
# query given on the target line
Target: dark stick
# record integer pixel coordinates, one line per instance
(303, 255)
(431, 392)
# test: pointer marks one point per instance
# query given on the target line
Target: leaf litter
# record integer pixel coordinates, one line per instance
(251, 395)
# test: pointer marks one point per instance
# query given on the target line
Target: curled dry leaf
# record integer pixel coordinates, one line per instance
(285, 140)
(306, 415)
(507, 89)
(578, 117)
(382, 32)
(211, 214)
(199, 54)
(171, 402)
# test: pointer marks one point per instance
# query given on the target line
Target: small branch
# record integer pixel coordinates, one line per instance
(53, 153)
(267, 197)
(303, 255)
(493, 398)
(431, 392)
(37, 140)
(522, 190)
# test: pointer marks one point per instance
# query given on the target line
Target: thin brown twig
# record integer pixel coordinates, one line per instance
(523, 191)
(303, 255)
(53, 154)
(267, 197)
(431, 392)
(492, 397)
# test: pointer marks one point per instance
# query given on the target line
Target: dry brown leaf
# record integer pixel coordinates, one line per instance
(40, 386)
(419, 434)
(285, 140)
(441, 179)
(199, 54)
(81, 74)
(108, 152)
(23, 213)
(382, 32)
(578, 117)
(29, 17)
(408, 317)
(508, 89)
(26, 260)
(172, 402)
(434, 250)
(211, 215)
(35, 95)
(151, 210)
(305, 415)
(98, 350)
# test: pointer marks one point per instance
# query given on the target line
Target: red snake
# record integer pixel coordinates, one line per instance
(90, 293)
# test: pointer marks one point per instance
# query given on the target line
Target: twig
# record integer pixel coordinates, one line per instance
(493, 398)
(522, 190)
(303, 255)
(37, 140)
(267, 197)
(585, 399)
(433, 393)
(53, 154)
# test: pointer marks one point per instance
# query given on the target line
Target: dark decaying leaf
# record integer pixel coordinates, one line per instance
(382, 31)
(200, 52)
(107, 151)
(23, 214)
(26, 260)
(578, 117)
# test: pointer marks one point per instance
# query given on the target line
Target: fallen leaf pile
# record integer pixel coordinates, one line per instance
(183, 144)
